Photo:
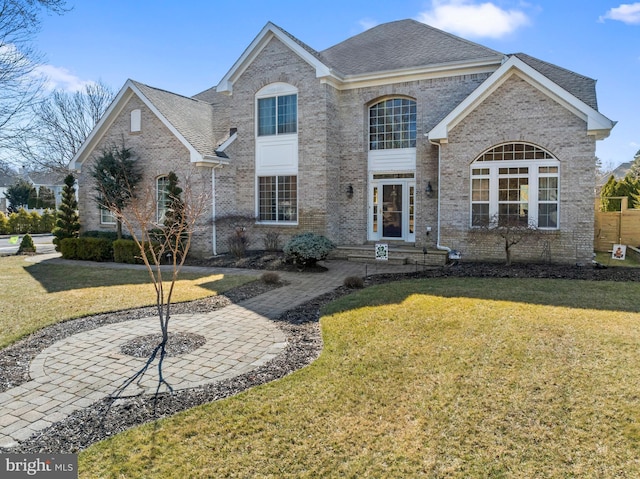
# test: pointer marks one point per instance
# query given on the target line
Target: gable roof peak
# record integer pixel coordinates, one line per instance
(269, 31)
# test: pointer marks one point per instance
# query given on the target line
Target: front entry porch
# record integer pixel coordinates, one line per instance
(399, 253)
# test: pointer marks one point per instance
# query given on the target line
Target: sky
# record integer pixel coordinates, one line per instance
(187, 46)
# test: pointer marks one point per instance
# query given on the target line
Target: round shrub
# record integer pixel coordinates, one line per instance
(308, 248)
(354, 282)
(270, 277)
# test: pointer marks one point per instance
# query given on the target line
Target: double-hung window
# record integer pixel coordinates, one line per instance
(515, 184)
(278, 115)
(106, 216)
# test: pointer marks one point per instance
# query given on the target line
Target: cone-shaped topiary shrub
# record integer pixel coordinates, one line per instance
(26, 245)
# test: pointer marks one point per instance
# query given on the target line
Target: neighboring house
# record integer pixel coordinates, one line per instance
(403, 134)
(52, 181)
(6, 180)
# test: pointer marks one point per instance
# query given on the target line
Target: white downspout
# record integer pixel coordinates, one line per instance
(213, 212)
(438, 245)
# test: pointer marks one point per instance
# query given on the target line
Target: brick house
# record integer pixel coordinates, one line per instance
(403, 134)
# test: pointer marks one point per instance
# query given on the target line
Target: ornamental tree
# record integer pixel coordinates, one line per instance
(67, 220)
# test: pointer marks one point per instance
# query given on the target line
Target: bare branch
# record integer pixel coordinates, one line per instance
(20, 86)
(511, 230)
(158, 239)
(60, 124)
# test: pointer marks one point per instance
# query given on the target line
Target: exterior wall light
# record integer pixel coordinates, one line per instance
(429, 189)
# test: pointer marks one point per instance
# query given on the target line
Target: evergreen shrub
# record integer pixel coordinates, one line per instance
(26, 245)
(308, 248)
(87, 249)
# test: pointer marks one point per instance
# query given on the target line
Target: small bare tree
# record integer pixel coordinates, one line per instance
(158, 239)
(20, 83)
(511, 230)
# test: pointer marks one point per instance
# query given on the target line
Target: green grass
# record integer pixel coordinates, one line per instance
(604, 257)
(431, 378)
(34, 295)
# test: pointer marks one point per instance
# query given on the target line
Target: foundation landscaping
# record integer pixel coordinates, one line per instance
(473, 370)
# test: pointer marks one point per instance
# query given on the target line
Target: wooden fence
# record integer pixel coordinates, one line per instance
(616, 227)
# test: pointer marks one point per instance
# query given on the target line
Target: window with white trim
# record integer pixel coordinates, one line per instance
(392, 124)
(162, 197)
(515, 184)
(106, 216)
(278, 198)
(277, 114)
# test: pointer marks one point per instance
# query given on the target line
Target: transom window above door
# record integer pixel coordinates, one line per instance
(392, 124)
(277, 110)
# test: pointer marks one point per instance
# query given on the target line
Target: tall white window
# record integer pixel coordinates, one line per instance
(162, 197)
(277, 154)
(515, 183)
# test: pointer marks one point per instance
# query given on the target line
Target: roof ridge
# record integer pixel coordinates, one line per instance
(455, 37)
(137, 83)
(522, 54)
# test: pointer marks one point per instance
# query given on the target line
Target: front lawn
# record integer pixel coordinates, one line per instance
(34, 295)
(450, 377)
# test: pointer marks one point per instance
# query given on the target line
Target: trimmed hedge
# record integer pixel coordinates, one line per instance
(127, 251)
(87, 249)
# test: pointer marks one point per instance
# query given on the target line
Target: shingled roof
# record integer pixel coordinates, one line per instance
(402, 45)
(580, 86)
(192, 118)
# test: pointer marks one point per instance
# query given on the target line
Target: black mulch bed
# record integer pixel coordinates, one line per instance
(105, 418)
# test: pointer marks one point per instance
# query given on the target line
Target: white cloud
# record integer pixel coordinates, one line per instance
(627, 12)
(367, 23)
(59, 78)
(472, 19)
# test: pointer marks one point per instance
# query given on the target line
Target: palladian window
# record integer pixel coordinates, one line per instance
(515, 184)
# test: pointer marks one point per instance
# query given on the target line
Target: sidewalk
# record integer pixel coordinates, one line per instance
(81, 369)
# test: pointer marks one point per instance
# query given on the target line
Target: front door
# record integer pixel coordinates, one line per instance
(392, 204)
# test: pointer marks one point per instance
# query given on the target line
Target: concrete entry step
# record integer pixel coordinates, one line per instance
(398, 254)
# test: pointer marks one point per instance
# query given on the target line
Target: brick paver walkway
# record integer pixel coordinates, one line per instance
(76, 371)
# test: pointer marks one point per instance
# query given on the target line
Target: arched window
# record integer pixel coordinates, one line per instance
(392, 124)
(515, 184)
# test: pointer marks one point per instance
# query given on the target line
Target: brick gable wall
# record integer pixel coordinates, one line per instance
(518, 112)
(159, 152)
